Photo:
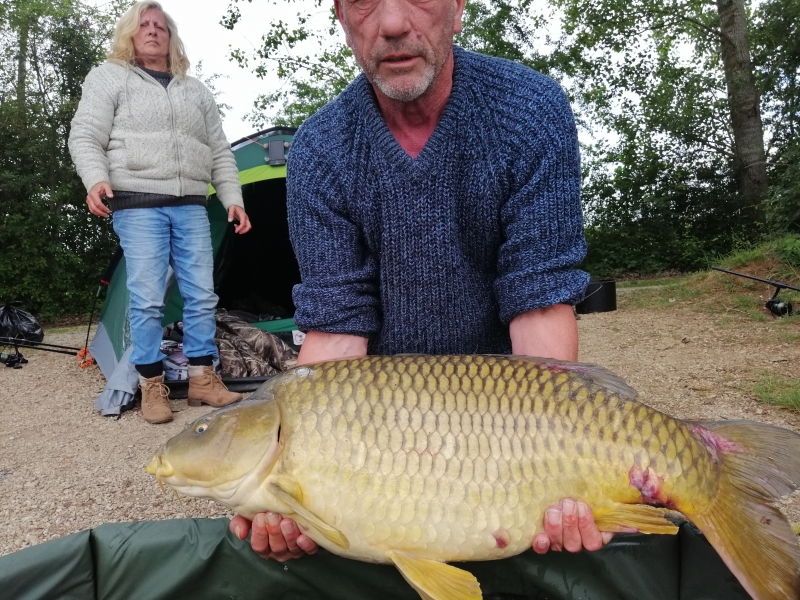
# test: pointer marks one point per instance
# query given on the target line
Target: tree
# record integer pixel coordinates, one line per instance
(719, 40)
(750, 161)
(53, 249)
(314, 70)
(664, 94)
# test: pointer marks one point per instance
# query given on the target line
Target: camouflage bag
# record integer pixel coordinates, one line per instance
(246, 349)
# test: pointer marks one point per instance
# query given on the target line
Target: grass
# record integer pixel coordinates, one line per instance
(69, 329)
(677, 292)
(644, 283)
(778, 390)
(715, 292)
(792, 336)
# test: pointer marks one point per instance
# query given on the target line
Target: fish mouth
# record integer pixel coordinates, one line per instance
(160, 468)
(164, 473)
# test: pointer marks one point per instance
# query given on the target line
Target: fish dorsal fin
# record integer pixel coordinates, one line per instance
(294, 499)
(435, 580)
(640, 517)
(595, 373)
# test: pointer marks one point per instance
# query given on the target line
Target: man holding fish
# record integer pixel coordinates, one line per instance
(434, 208)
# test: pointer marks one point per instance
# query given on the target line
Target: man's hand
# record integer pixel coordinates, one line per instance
(273, 536)
(236, 213)
(95, 199)
(569, 526)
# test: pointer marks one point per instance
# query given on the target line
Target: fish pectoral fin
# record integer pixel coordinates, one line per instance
(331, 533)
(435, 580)
(641, 517)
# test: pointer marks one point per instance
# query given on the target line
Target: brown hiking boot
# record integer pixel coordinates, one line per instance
(206, 387)
(155, 400)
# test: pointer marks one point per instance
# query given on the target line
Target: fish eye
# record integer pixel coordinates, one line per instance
(200, 427)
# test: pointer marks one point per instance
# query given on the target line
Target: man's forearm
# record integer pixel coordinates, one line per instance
(550, 332)
(319, 346)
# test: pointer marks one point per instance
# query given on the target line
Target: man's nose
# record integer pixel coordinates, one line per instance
(394, 18)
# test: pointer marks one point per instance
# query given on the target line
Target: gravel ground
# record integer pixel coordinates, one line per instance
(65, 468)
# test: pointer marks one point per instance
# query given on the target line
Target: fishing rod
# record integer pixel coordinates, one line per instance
(23, 343)
(777, 307)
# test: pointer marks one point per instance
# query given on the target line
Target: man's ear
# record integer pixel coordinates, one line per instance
(457, 24)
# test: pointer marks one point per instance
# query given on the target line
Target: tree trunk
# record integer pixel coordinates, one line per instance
(750, 164)
(22, 64)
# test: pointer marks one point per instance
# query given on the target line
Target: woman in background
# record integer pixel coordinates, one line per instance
(148, 139)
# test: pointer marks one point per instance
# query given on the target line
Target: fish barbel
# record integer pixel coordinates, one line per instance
(422, 460)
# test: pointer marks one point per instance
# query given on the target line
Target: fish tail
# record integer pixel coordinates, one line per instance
(760, 463)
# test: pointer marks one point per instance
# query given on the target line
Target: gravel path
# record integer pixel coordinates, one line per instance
(64, 468)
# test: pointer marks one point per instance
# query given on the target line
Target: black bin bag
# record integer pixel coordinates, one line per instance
(17, 324)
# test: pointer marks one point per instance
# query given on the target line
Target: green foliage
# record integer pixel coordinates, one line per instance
(777, 56)
(783, 201)
(53, 249)
(788, 249)
(293, 104)
(503, 29)
(660, 191)
(778, 258)
(313, 70)
(659, 187)
(210, 81)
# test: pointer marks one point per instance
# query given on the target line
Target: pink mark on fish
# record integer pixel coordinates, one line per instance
(502, 538)
(557, 367)
(649, 485)
(716, 443)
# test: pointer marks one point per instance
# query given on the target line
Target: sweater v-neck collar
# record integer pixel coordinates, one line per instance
(385, 140)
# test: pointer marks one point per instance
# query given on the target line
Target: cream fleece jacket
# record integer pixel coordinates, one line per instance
(136, 135)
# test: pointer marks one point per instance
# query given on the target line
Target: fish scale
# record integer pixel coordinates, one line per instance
(434, 442)
(420, 460)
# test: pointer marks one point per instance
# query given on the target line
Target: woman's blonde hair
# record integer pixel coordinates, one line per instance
(128, 25)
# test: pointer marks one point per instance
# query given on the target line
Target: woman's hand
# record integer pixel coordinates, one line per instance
(95, 199)
(236, 213)
(273, 536)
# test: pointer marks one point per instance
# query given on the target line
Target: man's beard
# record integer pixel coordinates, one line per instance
(401, 91)
(408, 91)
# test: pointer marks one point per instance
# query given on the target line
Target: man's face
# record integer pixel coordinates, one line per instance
(401, 45)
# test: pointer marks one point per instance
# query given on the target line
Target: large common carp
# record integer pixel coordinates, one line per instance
(422, 460)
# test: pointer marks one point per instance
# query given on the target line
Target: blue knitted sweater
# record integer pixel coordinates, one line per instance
(437, 254)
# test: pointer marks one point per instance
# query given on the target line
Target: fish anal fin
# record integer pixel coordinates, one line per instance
(640, 517)
(289, 493)
(435, 580)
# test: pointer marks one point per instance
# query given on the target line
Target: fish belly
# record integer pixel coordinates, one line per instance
(457, 458)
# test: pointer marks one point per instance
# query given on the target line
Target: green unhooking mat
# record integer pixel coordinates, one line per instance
(199, 559)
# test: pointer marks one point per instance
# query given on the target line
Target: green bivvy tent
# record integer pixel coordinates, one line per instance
(254, 272)
(198, 559)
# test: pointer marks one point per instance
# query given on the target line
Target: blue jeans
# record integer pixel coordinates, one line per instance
(153, 239)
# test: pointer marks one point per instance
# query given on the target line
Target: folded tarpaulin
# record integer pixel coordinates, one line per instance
(199, 559)
(121, 386)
